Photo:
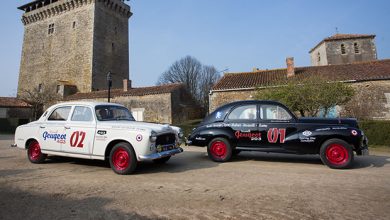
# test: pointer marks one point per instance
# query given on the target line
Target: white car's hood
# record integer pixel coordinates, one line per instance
(159, 128)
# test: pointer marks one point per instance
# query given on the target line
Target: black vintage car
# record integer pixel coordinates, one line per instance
(270, 126)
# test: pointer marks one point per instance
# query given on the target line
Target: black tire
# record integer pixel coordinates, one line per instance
(219, 150)
(34, 153)
(336, 154)
(122, 158)
(162, 160)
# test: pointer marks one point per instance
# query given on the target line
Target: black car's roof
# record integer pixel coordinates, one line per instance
(220, 113)
(246, 102)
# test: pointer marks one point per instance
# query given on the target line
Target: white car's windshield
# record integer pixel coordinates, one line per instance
(113, 113)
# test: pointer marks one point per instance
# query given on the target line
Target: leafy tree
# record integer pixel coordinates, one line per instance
(198, 78)
(309, 96)
(39, 98)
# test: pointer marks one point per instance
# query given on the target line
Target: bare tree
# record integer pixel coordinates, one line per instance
(198, 78)
(209, 77)
(39, 97)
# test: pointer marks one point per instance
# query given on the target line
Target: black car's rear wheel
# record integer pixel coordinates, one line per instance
(336, 154)
(219, 150)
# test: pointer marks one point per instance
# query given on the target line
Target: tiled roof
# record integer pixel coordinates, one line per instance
(167, 88)
(364, 71)
(348, 36)
(9, 102)
(343, 37)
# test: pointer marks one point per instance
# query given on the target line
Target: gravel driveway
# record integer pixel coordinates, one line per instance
(190, 186)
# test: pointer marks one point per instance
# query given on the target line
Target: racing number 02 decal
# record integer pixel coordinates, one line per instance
(274, 134)
(77, 139)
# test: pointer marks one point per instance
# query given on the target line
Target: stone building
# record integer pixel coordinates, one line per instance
(74, 44)
(343, 49)
(169, 103)
(349, 58)
(371, 80)
(13, 112)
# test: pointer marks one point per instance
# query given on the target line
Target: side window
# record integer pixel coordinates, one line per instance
(60, 114)
(81, 114)
(274, 112)
(246, 112)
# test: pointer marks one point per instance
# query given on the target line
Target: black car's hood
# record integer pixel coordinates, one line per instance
(352, 122)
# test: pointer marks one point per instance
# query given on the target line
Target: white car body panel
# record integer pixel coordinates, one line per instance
(90, 139)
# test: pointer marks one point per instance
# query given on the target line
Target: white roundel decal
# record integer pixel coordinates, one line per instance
(307, 133)
(138, 137)
(354, 132)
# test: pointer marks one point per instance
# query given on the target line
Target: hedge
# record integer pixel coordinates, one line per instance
(378, 132)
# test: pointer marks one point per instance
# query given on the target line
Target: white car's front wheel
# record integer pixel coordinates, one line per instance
(122, 158)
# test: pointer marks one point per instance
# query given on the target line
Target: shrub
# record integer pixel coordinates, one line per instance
(378, 132)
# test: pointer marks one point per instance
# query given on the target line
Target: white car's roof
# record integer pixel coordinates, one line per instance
(92, 104)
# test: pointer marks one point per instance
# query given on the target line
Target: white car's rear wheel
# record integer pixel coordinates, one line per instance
(34, 153)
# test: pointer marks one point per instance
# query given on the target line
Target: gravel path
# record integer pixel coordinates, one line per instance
(190, 186)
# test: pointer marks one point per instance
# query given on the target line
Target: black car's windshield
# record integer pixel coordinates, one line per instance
(113, 113)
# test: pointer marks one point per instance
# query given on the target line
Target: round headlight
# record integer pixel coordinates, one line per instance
(153, 136)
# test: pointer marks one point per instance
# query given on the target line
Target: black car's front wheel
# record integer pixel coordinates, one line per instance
(336, 154)
(219, 150)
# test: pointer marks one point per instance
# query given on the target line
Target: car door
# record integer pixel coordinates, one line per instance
(276, 125)
(243, 121)
(80, 129)
(51, 131)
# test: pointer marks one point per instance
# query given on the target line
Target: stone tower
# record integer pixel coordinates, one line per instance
(343, 49)
(74, 44)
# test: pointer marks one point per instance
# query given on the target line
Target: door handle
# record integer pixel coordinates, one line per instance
(42, 126)
(66, 127)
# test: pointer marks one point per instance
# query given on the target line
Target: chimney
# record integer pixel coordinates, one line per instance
(290, 66)
(126, 85)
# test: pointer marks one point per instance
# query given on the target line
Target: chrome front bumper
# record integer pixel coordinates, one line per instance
(160, 155)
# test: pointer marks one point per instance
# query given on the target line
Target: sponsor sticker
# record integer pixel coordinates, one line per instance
(138, 137)
(59, 138)
(307, 133)
(254, 136)
(101, 132)
(218, 115)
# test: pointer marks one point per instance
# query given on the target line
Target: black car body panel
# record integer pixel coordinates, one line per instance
(271, 127)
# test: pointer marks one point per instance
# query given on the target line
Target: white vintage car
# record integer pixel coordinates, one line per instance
(102, 131)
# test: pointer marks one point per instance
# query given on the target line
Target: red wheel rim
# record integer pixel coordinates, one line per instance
(120, 159)
(218, 149)
(337, 154)
(34, 151)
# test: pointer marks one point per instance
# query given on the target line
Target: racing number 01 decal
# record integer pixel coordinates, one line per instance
(274, 134)
(77, 139)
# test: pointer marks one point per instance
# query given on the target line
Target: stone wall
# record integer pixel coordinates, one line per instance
(64, 55)
(72, 42)
(110, 47)
(157, 107)
(321, 50)
(371, 101)
(219, 98)
(367, 51)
